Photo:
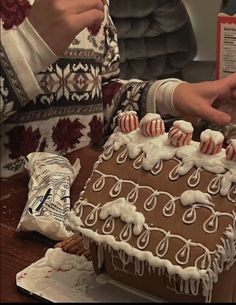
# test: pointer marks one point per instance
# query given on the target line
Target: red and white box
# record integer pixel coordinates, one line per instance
(226, 45)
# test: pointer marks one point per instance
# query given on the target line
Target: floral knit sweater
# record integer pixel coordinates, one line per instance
(70, 104)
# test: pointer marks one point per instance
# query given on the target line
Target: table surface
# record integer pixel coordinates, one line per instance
(20, 249)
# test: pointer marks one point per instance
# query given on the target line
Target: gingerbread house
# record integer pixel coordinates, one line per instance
(159, 211)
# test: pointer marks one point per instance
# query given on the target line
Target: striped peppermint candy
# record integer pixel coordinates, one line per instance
(230, 150)
(152, 125)
(211, 142)
(180, 133)
(127, 121)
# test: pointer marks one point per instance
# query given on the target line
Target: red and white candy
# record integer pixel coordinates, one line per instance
(127, 121)
(231, 150)
(152, 125)
(180, 133)
(211, 142)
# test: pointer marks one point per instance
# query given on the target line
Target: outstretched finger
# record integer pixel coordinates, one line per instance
(213, 115)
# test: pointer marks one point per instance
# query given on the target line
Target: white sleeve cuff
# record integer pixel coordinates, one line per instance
(160, 97)
(38, 54)
(27, 54)
(17, 62)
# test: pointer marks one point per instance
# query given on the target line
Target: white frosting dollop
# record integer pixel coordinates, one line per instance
(60, 260)
(149, 117)
(186, 127)
(126, 211)
(216, 136)
(191, 197)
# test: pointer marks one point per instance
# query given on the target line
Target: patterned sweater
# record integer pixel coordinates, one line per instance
(71, 103)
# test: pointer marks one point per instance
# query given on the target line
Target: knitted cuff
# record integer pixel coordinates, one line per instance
(160, 97)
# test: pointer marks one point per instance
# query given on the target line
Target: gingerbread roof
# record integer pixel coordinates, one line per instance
(173, 207)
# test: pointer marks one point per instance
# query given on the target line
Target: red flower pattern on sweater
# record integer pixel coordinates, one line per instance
(94, 29)
(13, 12)
(108, 92)
(22, 141)
(66, 134)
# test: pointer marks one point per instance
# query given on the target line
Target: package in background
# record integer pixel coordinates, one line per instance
(226, 45)
(51, 177)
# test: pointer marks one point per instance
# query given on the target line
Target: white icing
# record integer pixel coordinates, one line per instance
(149, 117)
(190, 197)
(158, 148)
(59, 260)
(127, 212)
(216, 136)
(186, 273)
(186, 127)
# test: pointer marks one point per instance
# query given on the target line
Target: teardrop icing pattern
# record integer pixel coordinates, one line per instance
(138, 162)
(122, 157)
(204, 261)
(194, 179)
(133, 195)
(108, 153)
(163, 246)
(150, 202)
(169, 208)
(157, 168)
(174, 175)
(215, 185)
(99, 184)
(183, 255)
(190, 215)
(212, 223)
(92, 217)
(116, 189)
(126, 233)
(143, 240)
(109, 225)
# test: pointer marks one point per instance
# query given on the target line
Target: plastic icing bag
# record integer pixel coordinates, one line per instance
(48, 202)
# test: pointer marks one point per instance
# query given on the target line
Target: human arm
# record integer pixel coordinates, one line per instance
(27, 50)
(205, 99)
(135, 94)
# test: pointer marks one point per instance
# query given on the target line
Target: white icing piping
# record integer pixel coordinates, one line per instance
(163, 246)
(151, 201)
(226, 253)
(150, 151)
(185, 273)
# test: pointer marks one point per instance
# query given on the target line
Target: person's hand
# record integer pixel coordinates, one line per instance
(59, 21)
(202, 99)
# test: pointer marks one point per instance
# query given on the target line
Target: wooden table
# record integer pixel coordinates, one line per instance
(18, 250)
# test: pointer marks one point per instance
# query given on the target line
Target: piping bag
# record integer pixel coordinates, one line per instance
(51, 177)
